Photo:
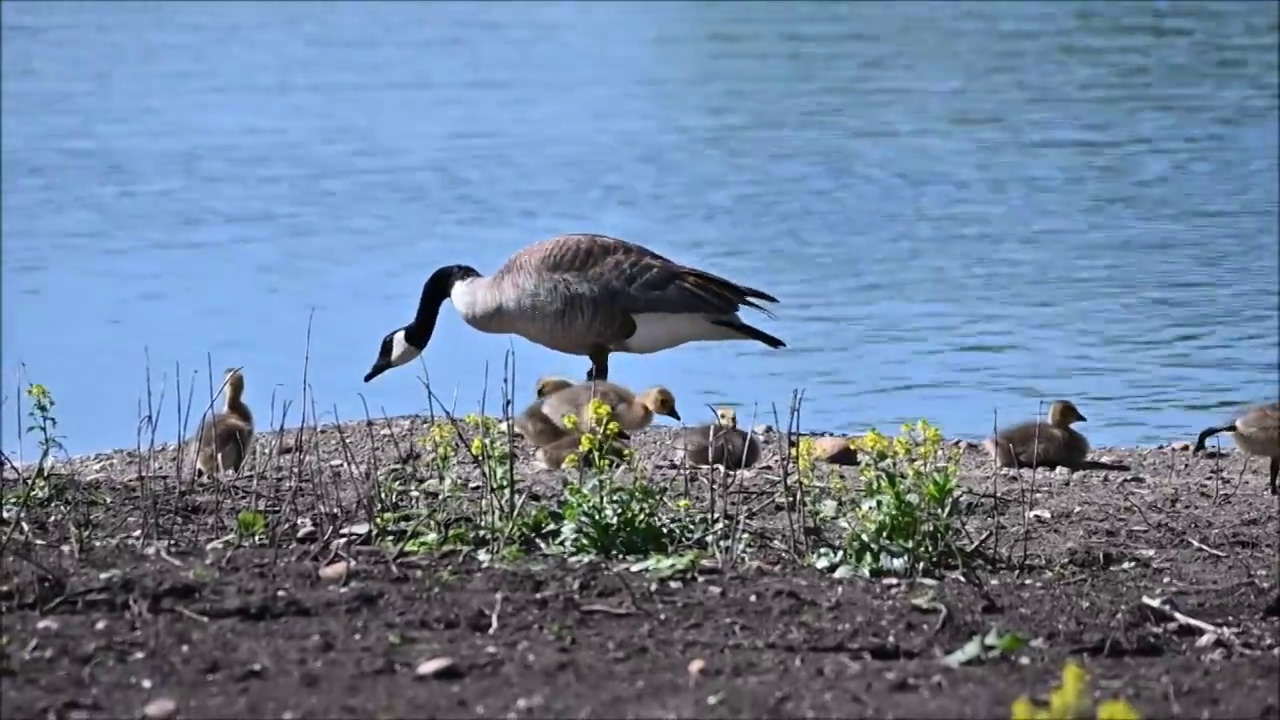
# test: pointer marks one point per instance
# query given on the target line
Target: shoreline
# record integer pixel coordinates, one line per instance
(1225, 445)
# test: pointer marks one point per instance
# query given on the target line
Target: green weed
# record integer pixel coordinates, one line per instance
(907, 518)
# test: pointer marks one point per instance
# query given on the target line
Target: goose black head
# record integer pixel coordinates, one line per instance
(404, 344)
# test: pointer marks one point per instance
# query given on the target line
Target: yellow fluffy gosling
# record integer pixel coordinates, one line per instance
(550, 385)
(1042, 444)
(721, 443)
(632, 412)
(223, 442)
(533, 423)
(553, 455)
(1257, 432)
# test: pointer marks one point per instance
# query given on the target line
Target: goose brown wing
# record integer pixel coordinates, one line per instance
(610, 273)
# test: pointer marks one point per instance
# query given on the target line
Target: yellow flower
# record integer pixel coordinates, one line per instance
(612, 428)
(1024, 709)
(875, 443)
(477, 447)
(1117, 710)
(1071, 699)
(600, 414)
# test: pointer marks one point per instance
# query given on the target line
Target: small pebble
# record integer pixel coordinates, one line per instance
(307, 532)
(361, 528)
(46, 624)
(335, 572)
(696, 666)
(763, 429)
(439, 667)
(161, 707)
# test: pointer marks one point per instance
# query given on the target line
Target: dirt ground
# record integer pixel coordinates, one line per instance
(155, 607)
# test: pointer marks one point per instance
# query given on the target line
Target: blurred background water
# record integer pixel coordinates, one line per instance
(964, 207)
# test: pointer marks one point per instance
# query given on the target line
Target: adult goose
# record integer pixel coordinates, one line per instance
(584, 294)
(1257, 432)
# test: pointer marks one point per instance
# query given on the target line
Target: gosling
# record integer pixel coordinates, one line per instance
(553, 455)
(1042, 444)
(223, 441)
(721, 443)
(549, 385)
(835, 450)
(631, 412)
(533, 423)
(1257, 432)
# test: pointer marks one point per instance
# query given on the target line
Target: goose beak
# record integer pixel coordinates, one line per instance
(674, 415)
(379, 366)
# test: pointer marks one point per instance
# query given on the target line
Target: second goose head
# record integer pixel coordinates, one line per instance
(404, 344)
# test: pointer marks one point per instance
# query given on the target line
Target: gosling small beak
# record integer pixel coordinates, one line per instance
(674, 414)
(1081, 417)
(379, 367)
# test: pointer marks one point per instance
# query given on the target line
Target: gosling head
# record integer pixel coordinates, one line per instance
(727, 417)
(550, 385)
(234, 381)
(1064, 412)
(660, 401)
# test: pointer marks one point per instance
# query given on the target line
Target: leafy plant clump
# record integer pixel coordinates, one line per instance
(606, 509)
(611, 510)
(907, 519)
(1071, 701)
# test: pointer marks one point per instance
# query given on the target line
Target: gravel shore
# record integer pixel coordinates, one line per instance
(133, 592)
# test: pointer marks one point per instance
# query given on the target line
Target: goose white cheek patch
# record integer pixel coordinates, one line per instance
(401, 351)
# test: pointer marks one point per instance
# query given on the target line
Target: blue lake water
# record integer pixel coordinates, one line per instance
(964, 207)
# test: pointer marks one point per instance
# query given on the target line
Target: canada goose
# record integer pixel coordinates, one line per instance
(721, 443)
(553, 455)
(223, 441)
(1042, 444)
(583, 294)
(1257, 432)
(630, 411)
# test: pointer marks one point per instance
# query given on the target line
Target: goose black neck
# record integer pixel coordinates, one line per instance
(434, 292)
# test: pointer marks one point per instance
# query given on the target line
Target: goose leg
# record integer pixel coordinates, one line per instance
(599, 365)
(1275, 471)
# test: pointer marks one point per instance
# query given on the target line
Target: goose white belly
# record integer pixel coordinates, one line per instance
(661, 331)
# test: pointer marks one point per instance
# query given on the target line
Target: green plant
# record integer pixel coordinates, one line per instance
(1071, 701)
(601, 513)
(44, 425)
(38, 485)
(908, 518)
(250, 524)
